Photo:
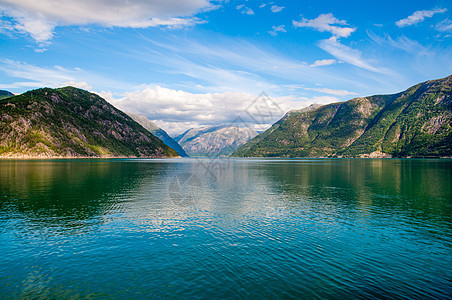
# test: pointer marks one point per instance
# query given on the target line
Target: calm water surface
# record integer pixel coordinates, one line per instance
(187, 228)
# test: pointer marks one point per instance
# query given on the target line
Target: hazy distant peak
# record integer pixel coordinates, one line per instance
(158, 132)
(218, 140)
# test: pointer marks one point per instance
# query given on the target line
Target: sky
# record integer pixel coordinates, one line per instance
(192, 63)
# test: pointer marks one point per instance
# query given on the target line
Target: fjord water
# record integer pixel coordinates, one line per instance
(242, 228)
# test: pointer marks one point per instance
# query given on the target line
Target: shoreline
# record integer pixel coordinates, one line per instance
(37, 157)
(234, 157)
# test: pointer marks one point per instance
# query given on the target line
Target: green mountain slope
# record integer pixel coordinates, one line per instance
(5, 94)
(158, 132)
(71, 122)
(416, 122)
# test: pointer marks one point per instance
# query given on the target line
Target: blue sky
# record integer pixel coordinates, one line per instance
(197, 62)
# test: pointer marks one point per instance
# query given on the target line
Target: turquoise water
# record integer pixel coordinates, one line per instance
(187, 228)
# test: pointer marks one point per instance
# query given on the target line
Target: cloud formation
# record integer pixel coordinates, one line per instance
(79, 84)
(277, 29)
(276, 8)
(346, 54)
(230, 65)
(245, 10)
(39, 18)
(323, 62)
(402, 43)
(32, 76)
(419, 16)
(445, 25)
(176, 110)
(327, 23)
(341, 93)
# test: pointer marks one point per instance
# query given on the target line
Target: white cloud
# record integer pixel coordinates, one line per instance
(419, 16)
(41, 48)
(321, 100)
(230, 65)
(32, 76)
(38, 77)
(245, 10)
(248, 11)
(342, 93)
(347, 54)
(445, 25)
(39, 30)
(5, 26)
(276, 9)
(323, 62)
(177, 110)
(402, 43)
(305, 101)
(39, 18)
(262, 5)
(277, 29)
(79, 84)
(343, 53)
(327, 23)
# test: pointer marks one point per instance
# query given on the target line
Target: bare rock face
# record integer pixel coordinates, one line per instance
(214, 141)
(413, 123)
(71, 122)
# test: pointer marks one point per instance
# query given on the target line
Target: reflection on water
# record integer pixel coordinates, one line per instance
(418, 188)
(276, 228)
(48, 191)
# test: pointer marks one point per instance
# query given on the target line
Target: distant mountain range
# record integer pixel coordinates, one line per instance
(158, 132)
(413, 123)
(214, 141)
(70, 122)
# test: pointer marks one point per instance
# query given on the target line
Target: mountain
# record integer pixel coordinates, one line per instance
(70, 122)
(5, 94)
(158, 132)
(413, 123)
(214, 141)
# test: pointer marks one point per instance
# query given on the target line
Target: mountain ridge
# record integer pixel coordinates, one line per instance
(415, 122)
(158, 132)
(70, 122)
(5, 94)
